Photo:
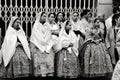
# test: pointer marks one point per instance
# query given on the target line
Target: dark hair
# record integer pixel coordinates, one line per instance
(51, 14)
(115, 9)
(91, 14)
(96, 20)
(68, 15)
(56, 19)
(84, 12)
(76, 13)
(60, 13)
(42, 13)
(115, 16)
(15, 21)
(67, 22)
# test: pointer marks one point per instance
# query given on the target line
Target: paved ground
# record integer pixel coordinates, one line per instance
(55, 78)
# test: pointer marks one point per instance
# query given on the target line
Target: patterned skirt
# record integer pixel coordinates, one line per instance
(94, 60)
(2, 70)
(42, 63)
(66, 64)
(19, 65)
(80, 43)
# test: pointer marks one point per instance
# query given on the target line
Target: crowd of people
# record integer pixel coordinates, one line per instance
(84, 48)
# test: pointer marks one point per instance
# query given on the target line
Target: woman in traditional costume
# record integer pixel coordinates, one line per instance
(60, 19)
(113, 37)
(15, 51)
(41, 48)
(77, 29)
(114, 45)
(54, 28)
(94, 59)
(67, 65)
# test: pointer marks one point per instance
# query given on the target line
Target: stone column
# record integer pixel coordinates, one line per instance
(105, 7)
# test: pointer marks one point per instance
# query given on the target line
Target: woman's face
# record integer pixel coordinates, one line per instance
(51, 18)
(75, 17)
(43, 18)
(89, 15)
(97, 22)
(94, 29)
(68, 27)
(60, 16)
(16, 24)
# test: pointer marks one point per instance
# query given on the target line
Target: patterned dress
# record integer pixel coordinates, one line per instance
(94, 58)
(66, 59)
(42, 62)
(19, 65)
(2, 70)
(68, 66)
(15, 53)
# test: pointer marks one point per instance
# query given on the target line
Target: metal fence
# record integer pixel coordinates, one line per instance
(27, 9)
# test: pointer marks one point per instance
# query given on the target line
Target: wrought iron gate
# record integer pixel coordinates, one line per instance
(27, 9)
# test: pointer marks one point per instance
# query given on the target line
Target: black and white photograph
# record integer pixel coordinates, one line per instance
(59, 39)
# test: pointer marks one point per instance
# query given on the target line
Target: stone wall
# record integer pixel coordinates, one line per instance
(105, 7)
